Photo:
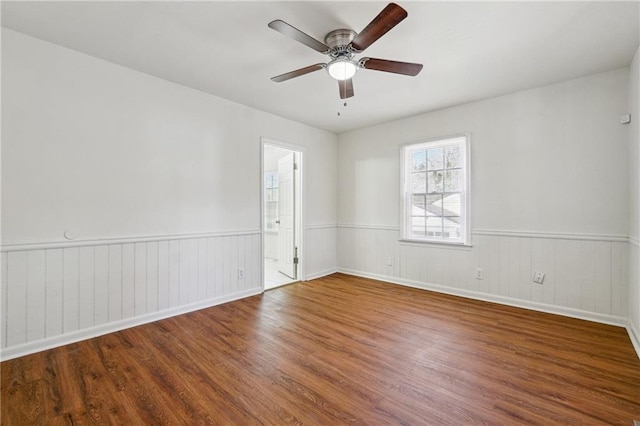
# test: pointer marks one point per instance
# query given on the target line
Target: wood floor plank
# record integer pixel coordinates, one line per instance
(336, 350)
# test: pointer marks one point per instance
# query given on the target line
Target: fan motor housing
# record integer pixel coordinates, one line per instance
(338, 41)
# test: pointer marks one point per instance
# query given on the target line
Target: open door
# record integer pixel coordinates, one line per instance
(287, 256)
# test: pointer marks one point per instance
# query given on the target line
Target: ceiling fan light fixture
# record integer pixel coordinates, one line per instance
(342, 69)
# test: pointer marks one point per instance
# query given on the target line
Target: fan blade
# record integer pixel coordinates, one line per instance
(395, 67)
(387, 19)
(346, 88)
(294, 33)
(297, 73)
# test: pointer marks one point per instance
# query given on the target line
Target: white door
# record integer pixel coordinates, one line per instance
(286, 205)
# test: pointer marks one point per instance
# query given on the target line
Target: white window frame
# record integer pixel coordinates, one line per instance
(405, 191)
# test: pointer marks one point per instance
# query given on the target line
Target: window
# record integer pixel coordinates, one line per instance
(435, 191)
(271, 201)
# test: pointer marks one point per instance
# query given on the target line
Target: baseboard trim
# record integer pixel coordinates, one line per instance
(89, 333)
(535, 306)
(634, 336)
(320, 274)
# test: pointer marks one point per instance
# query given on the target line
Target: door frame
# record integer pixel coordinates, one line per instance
(299, 206)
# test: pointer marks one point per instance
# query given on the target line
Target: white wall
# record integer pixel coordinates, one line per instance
(271, 156)
(634, 199)
(549, 185)
(112, 152)
(547, 142)
(150, 174)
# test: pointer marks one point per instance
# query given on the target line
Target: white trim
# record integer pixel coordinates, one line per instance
(511, 233)
(551, 235)
(321, 274)
(435, 244)
(535, 306)
(122, 240)
(263, 231)
(300, 191)
(405, 205)
(111, 327)
(634, 336)
(375, 227)
(278, 143)
(322, 226)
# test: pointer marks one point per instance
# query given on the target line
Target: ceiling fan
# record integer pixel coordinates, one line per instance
(343, 45)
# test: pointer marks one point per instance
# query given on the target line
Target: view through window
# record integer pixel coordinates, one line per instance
(271, 200)
(436, 190)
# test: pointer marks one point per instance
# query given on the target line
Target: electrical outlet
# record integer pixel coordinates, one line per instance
(389, 261)
(479, 274)
(240, 273)
(538, 277)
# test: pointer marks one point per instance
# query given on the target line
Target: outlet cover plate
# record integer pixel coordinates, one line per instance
(538, 277)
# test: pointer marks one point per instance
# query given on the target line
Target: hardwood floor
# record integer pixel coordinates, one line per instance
(333, 351)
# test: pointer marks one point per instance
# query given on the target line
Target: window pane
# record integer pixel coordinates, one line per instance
(419, 182)
(435, 158)
(434, 205)
(453, 157)
(419, 160)
(417, 226)
(435, 176)
(451, 205)
(451, 227)
(271, 180)
(434, 226)
(417, 205)
(453, 180)
(435, 182)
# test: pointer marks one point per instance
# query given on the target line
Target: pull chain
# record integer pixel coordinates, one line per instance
(344, 105)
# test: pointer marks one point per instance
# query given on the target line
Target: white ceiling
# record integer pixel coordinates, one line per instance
(470, 50)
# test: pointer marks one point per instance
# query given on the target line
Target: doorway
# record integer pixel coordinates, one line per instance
(281, 214)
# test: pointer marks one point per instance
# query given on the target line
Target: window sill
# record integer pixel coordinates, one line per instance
(439, 244)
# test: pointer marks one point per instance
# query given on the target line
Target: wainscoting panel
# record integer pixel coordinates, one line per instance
(585, 276)
(634, 293)
(320, 246)
(53, 294)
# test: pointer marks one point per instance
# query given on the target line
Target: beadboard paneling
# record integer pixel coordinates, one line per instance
(50, 293)
(17, 298)
(4, 292)
(320, 250)
(633, 302)
(586, 276)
